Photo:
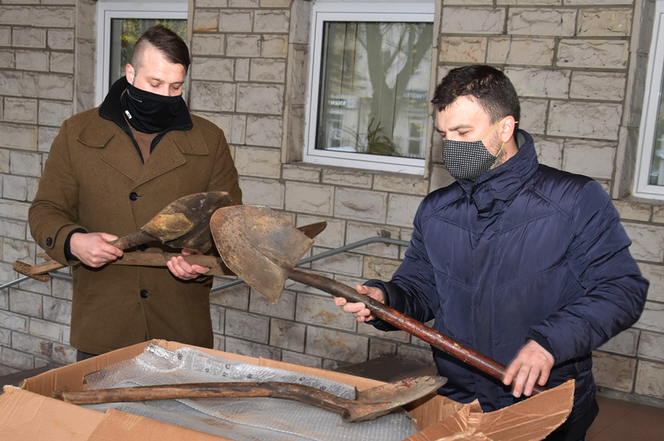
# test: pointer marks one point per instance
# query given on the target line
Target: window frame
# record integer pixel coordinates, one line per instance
(646, 143)
(322, 11)
(107, 11)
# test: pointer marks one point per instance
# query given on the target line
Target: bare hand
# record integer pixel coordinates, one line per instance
(181, 269)
(94, 249)
(359, 310)
(532, 364)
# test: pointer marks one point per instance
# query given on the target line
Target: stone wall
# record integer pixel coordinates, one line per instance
(578, 65)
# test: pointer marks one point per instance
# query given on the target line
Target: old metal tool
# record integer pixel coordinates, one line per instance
(369, 403)
(262, 248)
(183, 223)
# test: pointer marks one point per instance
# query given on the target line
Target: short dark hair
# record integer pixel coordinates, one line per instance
(167, 42)
(488, 86)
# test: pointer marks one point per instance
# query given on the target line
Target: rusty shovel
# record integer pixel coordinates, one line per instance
(184, 223)
(369, 403)
(262, 248)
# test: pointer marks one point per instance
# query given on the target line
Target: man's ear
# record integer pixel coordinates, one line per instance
(129, 73)
(506, 128)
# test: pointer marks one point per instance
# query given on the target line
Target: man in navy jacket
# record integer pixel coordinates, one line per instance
(524, 263)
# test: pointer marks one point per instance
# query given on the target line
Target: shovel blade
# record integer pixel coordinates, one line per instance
(258, 245)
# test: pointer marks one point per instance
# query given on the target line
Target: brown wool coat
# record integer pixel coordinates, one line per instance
(91, 171)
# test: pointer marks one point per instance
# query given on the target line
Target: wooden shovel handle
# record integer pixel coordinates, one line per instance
(405, 323)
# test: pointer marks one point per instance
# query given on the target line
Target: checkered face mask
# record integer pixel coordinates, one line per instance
(468, 160)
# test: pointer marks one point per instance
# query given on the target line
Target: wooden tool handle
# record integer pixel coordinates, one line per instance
(408, 324)
(160, 259)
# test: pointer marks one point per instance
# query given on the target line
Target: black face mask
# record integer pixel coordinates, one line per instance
(148, 112)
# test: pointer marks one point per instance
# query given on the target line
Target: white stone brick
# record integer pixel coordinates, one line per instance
(652, 318)
(533, 115)
(244, 3)
(360, 205)
(14, 209)
(301, 172)
(64, 354)
(284, 308)
(524, 51)
(268, 21)
(340, 346)
(309, 198)
(32, 60)
(242, 69)
(473, 20)
(7, 59)
(61, 62)
(584, 119)
(401, 209)
(5, 36)
(379, 268)
(25, 163)
(16, 359)
(415, 354)
(540, 82)
(633, 210)
(624, 343)
(57, 310)
(655, 274)
(269, 70)
(258, 162)
(211, 3)
(331, 237)
(462, 49)
(209, 96)
(29, 37)
(208, 44)
(378, 348)
(235, 21)
(287, 335)
(598, 2)
(247, 326)
(5, 334)
(233, 297)
(274, 46)
(576, 154)
(440, 177)
(206, 20)
(54, 113)
(651, 346)
(15, 187)
(45, 329)
(301, 359)
(62, 288)
(213, 69)
(608, 22)
(598, 85)
(355, 179)
(275, 3)
(529, 2)
(239, 128)
(614, 371)
(217, 317)
(13, 228)
(609, 54)
(60, 39)
(20, 110)
(357, 232)
(264, 131)
(397, 336)
(251, 349)
(254, 98)
(263, 192)
(243, 45)
(394, 184)
(14, 136)
(15, 322)
(14, 249)
(541, 22)
(650, 379)
(19, 83)
(318, 310)
(55, 87)
(45, 137)
(344, 263)
(647, 241)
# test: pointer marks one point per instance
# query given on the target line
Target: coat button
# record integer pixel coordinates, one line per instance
(142, 247)
(133, 196)
(144, 294)
(49, 241)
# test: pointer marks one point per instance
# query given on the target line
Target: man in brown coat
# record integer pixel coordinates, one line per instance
(112, 169)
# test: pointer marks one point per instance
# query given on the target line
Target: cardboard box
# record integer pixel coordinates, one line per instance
(28, 412)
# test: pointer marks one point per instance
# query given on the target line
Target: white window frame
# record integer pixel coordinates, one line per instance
(403, 11)
(651, 111)
(106, 11)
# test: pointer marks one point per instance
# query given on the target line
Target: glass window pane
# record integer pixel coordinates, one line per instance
(124, 34)
(656, 176)
(375, 88)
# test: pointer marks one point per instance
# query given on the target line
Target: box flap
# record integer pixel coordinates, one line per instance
(27, 416)
(118, 425)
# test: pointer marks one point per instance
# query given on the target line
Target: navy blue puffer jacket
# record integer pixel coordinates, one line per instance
(525, 252)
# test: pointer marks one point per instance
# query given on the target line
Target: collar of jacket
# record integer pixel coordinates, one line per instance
(98, 133)
(493, 190)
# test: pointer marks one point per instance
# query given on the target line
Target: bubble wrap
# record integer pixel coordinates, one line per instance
(241, 419)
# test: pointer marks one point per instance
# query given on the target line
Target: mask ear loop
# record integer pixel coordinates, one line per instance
(494, 128)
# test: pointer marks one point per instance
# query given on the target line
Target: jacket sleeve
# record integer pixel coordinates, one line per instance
(224, 175)
(412, 289)
(614, 290)
(54, 209)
